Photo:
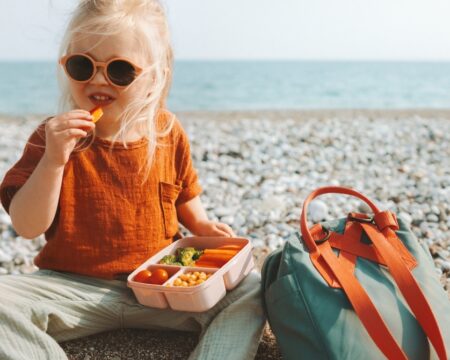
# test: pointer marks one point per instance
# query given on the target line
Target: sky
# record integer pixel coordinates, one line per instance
(412, 30)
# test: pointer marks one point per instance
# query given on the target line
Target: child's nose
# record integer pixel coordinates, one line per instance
(100, 77)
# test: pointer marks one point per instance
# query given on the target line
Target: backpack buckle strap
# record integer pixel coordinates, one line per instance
(386, 219)
(361, 218)
(320, 234)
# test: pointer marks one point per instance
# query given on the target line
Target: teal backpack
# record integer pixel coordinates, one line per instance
(355, 288)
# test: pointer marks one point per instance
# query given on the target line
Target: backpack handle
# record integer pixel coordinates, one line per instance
(306, 234)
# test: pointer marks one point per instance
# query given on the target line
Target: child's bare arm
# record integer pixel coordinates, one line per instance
(193, 216)
(33, 207)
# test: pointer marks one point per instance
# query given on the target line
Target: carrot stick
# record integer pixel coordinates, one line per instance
(219, 258)
(220, 251)
(230, 247)
(207, 264)
(96, 113)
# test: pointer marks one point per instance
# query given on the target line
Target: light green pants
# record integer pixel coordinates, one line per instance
(41, 309)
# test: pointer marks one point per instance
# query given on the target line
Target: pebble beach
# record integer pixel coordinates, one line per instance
(256, 169)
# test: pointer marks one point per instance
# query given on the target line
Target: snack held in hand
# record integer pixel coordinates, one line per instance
(96, 113)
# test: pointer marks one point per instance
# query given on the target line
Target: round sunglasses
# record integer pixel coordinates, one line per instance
(82, 68)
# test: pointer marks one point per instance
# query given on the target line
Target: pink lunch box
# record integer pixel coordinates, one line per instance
(199, 297)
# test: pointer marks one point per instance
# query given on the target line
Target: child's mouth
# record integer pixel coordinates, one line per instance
(101, 99)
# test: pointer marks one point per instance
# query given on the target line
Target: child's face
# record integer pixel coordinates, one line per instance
(91, 94)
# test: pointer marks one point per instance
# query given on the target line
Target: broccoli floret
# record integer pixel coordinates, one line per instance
(197, 254)
(169, 260)
(185, 255)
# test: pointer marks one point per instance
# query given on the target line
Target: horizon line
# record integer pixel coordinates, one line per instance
(257, 60)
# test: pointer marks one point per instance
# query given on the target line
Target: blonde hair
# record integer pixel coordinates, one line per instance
(148, 21)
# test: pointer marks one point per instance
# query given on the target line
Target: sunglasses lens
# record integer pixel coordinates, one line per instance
(121, 72)
(79, 67)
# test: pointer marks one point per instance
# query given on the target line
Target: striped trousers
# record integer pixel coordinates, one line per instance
(41, 309)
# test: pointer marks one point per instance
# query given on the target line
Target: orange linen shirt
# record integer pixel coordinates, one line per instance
(108, 222)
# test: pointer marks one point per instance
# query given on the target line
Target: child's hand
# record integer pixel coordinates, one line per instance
(62, 133)
(211, 228)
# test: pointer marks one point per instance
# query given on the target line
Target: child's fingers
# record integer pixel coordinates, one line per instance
(74, 133)
(217, 232)
(226, 228)
(80, 111)
(75, 114)
(75, 123)
(65, 121)
(71, 115)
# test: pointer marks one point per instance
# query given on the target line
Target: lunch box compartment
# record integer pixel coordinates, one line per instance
(199, 297)
(152, 295)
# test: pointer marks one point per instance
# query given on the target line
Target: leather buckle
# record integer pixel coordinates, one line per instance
(369, 220)
(325, 238)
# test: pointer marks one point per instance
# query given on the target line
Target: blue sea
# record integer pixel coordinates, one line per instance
(30, 87)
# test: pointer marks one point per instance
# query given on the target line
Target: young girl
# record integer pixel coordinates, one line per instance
(110, 194)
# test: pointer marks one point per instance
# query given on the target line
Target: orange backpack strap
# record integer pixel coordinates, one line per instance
(364, 307)
(407, 285)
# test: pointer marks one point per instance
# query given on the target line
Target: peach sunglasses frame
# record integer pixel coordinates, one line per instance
(98, 64)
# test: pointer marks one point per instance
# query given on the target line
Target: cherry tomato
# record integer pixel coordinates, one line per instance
(143, 276)
(158, 277)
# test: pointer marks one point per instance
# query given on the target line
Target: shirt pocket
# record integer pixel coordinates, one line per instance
(168, 196)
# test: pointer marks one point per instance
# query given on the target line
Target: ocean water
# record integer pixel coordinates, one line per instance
(31, 87)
